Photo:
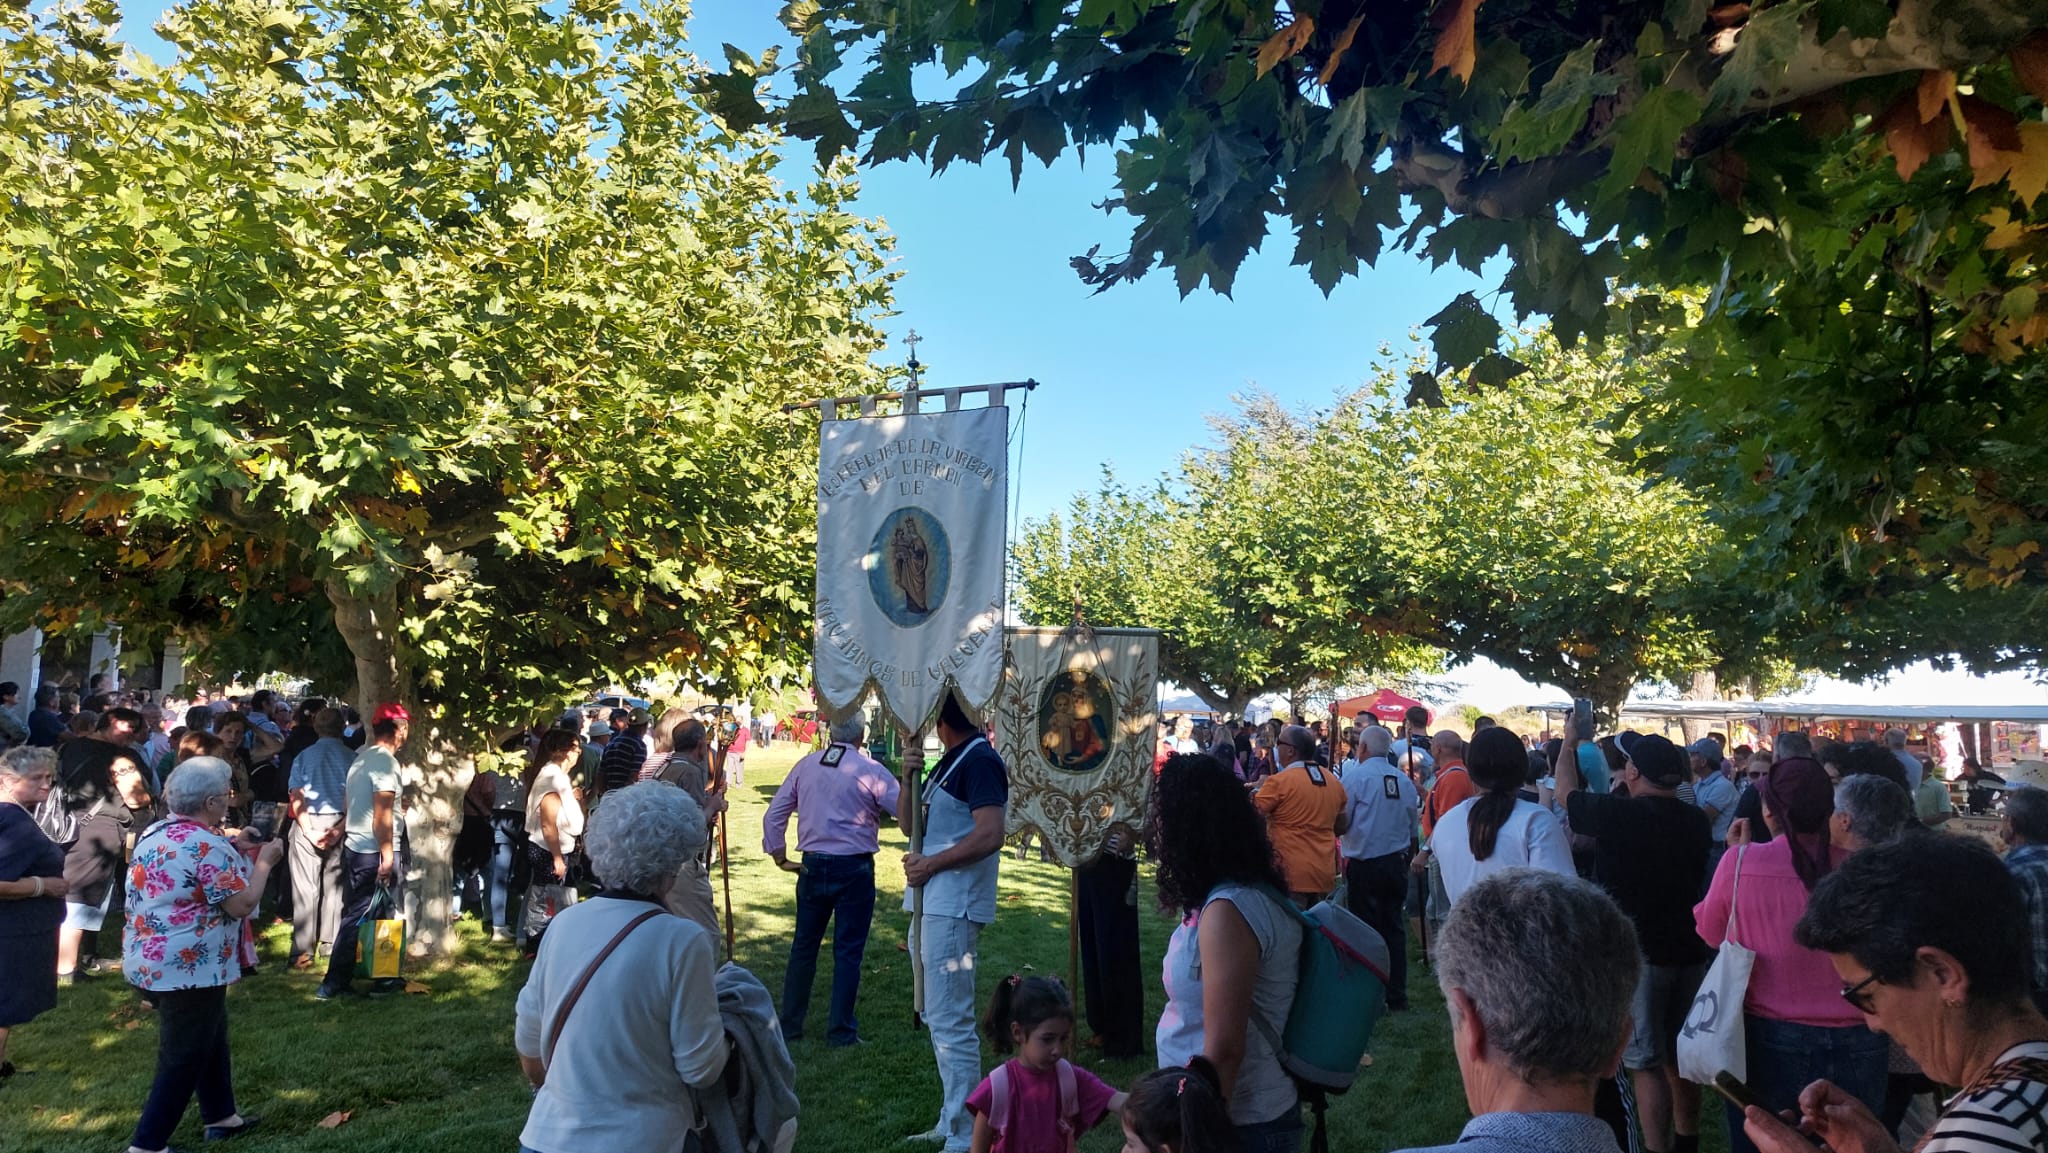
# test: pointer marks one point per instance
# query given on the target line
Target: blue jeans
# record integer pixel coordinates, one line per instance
(1283, 1134)
(507, 831)
(840, 890)
(1785, 1058)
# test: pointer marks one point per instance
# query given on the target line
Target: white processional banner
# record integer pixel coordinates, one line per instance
(1076, 726)
(911, 551)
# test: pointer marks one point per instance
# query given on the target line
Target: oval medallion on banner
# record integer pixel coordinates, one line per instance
(909, 565)
(1076, 719)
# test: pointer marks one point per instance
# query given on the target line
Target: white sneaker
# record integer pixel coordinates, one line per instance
(931, 1136)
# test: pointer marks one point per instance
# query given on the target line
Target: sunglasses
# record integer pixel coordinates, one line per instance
(1758, 775)
(1860, 1000)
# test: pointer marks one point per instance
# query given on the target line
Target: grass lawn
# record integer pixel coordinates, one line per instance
(437, 1071)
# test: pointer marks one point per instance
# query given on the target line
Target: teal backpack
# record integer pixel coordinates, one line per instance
(1340, 999)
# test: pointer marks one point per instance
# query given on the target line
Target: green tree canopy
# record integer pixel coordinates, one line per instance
(435, 350)
(1503, 524)
(1214, 559)
(1853, 188)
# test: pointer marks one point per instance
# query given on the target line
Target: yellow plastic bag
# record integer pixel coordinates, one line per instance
(380, 942)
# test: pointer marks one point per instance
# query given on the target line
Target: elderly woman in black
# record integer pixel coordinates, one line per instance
(31, 894)
(1929, 936)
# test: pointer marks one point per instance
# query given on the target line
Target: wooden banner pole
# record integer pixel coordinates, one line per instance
(1074, 931)
(912, 809)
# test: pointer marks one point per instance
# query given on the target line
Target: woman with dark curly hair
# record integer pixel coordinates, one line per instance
(1236, 952)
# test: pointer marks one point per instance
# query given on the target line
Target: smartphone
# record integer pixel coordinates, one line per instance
(1738, 1094)
(263, 820)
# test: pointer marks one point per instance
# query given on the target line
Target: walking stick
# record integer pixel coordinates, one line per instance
(719, 749)
(725, 875)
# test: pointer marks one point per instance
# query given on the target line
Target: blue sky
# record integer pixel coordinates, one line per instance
(1128, 375)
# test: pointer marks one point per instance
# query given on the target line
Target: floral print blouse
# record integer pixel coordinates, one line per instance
(178, 937)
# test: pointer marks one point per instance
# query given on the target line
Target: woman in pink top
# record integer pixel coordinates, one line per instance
(1797, 1027)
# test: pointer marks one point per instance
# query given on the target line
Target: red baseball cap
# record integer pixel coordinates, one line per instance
(390, 711)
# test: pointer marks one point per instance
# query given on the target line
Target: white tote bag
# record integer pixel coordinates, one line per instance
(1712, 1039)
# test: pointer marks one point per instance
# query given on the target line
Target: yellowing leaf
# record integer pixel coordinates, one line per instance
(2028, 176)
(2005, 231)
(1911, 139)
(335, 1120)
(1284, 43)
(416, 987)
(1338, 49)
(1994, 137)
(1457, 49)
(1936, 86)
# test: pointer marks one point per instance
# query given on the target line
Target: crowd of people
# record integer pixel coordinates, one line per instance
(1567, 894)
(130, 845)
(1691, 847)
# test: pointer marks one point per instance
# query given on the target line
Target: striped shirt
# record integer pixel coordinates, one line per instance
(2006, 1112)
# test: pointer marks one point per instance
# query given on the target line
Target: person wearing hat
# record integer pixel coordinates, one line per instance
(1650, 852)
(369, 841)
(1306, 810)
(1714, 793)
(627, 750)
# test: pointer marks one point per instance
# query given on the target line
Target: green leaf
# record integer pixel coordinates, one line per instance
(1549, 123)
(1346, 129)
(1493, 370)
(1763, 48)
(1462, 332)
(1647, 137)
(815, 115)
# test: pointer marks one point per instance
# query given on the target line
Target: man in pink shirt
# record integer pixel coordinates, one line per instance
(838, 795)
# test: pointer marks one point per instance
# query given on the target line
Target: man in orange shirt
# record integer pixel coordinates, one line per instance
(1306, 810)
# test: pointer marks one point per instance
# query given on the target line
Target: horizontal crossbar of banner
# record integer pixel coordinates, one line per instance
(866, 402)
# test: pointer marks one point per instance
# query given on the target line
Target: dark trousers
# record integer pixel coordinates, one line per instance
(191, 1056)
(1110, 977)
(1376, 888)
(840, 890)
(359, 875)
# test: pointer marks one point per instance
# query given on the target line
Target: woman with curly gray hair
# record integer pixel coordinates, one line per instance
(612, 1074)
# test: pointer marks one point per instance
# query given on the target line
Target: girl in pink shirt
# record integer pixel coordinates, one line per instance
(1035, 1102)
(1797, 1028)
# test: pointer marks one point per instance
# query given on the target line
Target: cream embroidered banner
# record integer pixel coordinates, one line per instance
(1075, 725)
(910, 560)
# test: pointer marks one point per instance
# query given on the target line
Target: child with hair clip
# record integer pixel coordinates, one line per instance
(1036, 1102)
(1178, 1111)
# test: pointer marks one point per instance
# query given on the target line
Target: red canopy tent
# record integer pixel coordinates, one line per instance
(1386, 705)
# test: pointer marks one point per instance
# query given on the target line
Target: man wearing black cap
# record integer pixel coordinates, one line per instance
(1651, 854)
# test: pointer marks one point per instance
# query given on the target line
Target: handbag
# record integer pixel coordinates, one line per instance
(547, 1054)
(380, 940)
(1712, 1039)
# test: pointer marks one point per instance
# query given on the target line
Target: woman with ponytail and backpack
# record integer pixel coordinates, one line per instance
(1035, 1102)
(1496, 829)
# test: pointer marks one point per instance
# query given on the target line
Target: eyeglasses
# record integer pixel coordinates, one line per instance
(1856, 997)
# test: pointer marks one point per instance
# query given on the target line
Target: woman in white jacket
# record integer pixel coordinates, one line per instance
(1496, 830)
(619, 1020)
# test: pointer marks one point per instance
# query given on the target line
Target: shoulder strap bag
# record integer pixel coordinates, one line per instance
(1713, 1039)
(547, 1056)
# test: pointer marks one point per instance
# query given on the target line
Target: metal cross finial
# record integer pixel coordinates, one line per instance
(913, 340)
